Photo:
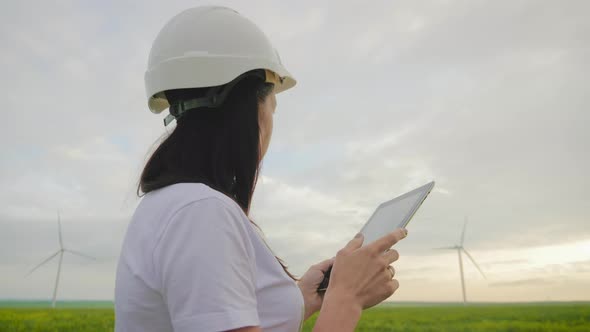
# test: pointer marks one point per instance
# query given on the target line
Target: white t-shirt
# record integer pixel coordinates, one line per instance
(192, 261)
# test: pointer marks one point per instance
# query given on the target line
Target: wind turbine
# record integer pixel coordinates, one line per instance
(60, 252)
(460, 249)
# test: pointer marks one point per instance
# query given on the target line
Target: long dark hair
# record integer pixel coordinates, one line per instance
(219, 147)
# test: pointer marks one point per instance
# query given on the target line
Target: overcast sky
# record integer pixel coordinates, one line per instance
(488, 98)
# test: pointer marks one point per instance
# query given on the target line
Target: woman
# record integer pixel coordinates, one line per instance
(192, 260)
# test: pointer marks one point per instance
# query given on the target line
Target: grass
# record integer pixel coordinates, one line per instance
(456, 318)
(56, 320)
(81, 316)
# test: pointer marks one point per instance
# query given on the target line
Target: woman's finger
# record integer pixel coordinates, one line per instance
(391, 255)
(324, 265)
(390, 271)
(354, 244)
(389, 240)
(393, 285)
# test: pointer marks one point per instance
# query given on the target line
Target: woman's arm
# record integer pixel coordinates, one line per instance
(308, 284)
(339, 313)
(247, 329)
(360, 280)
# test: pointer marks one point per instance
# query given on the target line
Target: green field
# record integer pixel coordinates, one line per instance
(99, 316)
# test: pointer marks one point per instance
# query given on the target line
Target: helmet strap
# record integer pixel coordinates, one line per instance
(214, 98)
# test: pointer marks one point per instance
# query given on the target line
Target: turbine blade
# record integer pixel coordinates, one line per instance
(463, 232)
(61, 256)
(444, 248)
(79, 254)
(61, 245)
(474, 263)
(43, 262)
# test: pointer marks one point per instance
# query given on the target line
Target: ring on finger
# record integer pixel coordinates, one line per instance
(390, 268)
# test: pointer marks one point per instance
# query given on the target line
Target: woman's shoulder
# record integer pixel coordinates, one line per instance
(181, 195)
(191, 207)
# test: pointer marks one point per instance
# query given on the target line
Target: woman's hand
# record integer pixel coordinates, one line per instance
(361, 274)
(309, 283)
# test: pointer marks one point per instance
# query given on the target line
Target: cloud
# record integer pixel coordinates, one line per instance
(523, 282)
(487, 98)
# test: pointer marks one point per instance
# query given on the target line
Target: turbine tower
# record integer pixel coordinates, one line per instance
(461, 249)
(60, 252)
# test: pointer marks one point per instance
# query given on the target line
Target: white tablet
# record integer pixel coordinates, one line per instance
(390, 215)
(395, 213)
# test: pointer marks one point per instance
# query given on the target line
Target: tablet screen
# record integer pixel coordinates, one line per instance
(391, 215)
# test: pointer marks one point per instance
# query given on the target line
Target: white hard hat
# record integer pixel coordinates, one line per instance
(209, 46)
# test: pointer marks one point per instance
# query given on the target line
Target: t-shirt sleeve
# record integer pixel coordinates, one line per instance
(205, 264)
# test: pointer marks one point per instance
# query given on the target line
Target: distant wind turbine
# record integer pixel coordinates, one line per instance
(60, 252)
(460, 249)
